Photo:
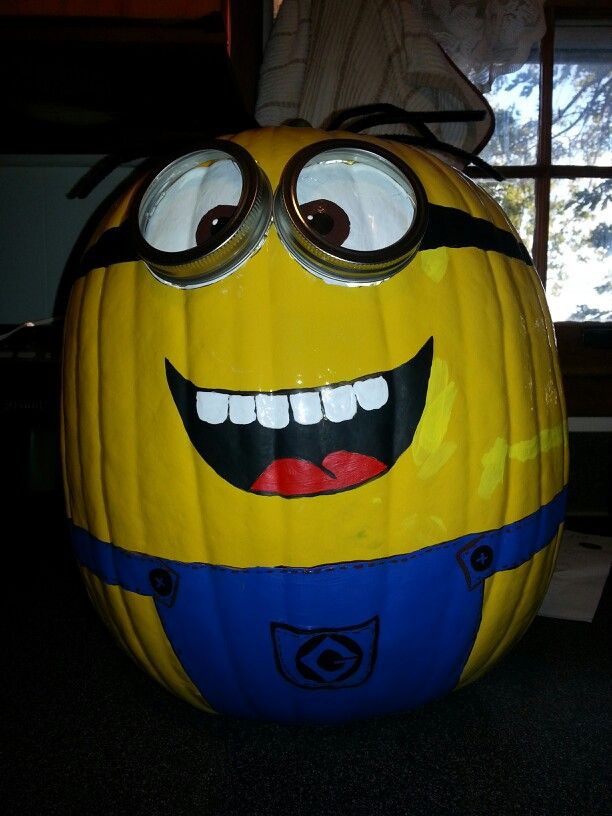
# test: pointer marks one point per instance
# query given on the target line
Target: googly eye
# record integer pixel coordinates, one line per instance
(203, 215)
(350, 212)
(328, 219)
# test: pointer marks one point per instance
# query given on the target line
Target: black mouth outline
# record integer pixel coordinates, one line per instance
(241, 453)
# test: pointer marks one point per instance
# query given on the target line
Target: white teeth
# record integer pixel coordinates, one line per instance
(335, 403)
(212, 407)
(272, 410)
(371, 394)
(306, 407)
(339, 403)
(241, 409)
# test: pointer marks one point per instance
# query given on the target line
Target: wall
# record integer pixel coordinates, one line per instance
(40, 226)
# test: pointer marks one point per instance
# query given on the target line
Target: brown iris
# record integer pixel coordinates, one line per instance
(327, 219)
(213, 221)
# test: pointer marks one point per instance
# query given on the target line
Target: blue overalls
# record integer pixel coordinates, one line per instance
(326, 643)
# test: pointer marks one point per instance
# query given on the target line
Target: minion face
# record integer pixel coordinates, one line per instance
(350, 215)
(326, 352)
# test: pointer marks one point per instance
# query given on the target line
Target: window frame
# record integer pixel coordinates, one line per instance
(585, 348)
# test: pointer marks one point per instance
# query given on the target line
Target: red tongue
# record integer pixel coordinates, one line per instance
(296, 477)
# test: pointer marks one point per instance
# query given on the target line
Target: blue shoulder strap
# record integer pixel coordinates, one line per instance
(479, 554)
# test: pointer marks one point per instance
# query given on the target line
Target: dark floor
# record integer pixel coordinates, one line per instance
(86, 732)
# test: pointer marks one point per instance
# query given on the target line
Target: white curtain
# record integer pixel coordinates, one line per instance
(324, 56)
(484, 38)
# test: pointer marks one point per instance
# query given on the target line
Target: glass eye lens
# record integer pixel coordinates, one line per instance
(203, 215)
(193, 206)
(377, 205)
(349, 211)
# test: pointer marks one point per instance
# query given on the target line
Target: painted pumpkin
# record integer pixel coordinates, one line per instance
(314, 438)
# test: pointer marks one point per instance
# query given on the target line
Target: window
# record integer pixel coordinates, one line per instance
(552, 142)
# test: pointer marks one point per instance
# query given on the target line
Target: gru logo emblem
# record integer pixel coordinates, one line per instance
(329, 658)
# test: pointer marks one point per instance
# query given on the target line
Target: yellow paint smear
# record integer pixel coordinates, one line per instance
(434, 263)
(546, 440)
(430, 450)
(494, 460)
(493, 468)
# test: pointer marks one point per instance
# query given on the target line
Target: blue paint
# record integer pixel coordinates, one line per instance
(328, 643)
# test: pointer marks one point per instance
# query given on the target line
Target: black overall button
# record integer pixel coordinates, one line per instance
(482, 558)
(161, 581)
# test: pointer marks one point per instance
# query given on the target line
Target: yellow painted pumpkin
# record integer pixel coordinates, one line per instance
(315, 447)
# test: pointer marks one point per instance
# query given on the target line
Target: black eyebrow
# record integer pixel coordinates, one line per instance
(446, 227)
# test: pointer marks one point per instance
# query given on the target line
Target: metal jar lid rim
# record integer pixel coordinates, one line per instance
(217, 256)
(334, 262)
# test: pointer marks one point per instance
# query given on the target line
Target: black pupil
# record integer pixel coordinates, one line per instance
(327, 219)
(321, 222)
(213, 222)
(217, 224)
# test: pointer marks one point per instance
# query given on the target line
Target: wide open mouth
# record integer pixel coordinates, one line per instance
(306, 442)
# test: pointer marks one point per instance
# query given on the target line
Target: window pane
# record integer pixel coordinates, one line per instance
(515, 99)
(579, 277)
(517, 199)
(582, 93)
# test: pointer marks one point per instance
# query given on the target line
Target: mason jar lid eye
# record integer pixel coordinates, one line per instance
(350, 212)
(203, 215)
